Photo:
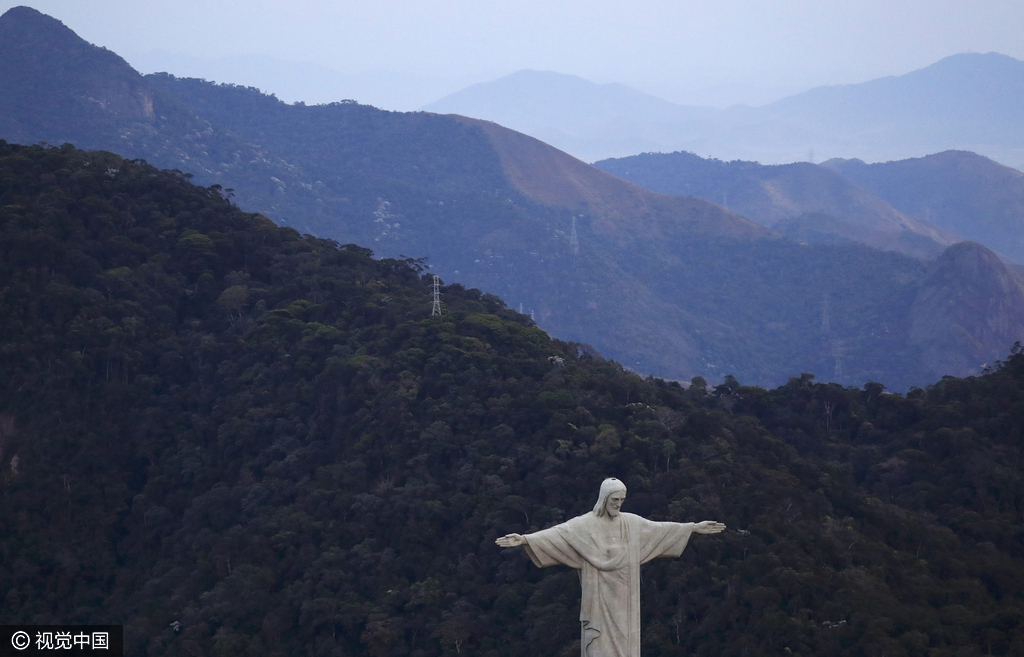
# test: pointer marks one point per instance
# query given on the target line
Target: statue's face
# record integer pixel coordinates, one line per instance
(614, 504)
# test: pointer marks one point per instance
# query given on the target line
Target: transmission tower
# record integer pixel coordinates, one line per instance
(824, 315)
(436, 310)
(837, 353)
(574, 241)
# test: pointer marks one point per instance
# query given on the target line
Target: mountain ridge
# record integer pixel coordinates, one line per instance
(545, 174)
(667, 286)
(74, 61)
(957, 190)
(801, 200)
(534, 102)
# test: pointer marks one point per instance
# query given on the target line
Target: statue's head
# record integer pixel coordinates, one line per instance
(613, 493)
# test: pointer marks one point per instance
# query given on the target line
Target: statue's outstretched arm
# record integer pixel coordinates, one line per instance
(708, 527)
(511, 540)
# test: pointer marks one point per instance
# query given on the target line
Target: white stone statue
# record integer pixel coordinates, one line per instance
(607, 547)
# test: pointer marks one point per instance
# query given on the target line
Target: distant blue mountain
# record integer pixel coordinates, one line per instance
(965, 102)
(588, 120)
(966, 91)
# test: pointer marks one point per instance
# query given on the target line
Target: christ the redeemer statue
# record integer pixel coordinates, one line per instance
(607, 547)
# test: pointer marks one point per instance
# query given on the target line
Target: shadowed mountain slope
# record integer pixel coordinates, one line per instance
(669, 286)
(959, 191)
(800, 200)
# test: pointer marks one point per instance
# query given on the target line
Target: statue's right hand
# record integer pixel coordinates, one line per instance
(512, 540)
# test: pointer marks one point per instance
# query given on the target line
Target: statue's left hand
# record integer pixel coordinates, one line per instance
(709, 527)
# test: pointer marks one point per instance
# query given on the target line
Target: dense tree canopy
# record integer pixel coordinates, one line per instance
(210, 419)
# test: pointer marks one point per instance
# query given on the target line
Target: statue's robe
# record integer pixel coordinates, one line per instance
(609, 572)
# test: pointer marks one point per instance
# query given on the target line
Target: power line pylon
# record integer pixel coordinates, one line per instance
(436, 310)
(837, 353)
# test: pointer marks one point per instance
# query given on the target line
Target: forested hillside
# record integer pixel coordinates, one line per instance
(212, 420)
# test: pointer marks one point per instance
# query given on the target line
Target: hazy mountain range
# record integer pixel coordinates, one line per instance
(917, 206)
(966, 102)
(669, 285)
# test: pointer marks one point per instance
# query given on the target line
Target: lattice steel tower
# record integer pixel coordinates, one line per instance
(436, 310)
(837, 353)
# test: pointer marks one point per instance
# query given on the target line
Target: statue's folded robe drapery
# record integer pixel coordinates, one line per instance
(609, 574)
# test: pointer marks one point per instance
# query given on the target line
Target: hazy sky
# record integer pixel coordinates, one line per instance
(683, 50)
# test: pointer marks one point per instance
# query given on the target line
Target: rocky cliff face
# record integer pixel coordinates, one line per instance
(45, 65)
(968, 313)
